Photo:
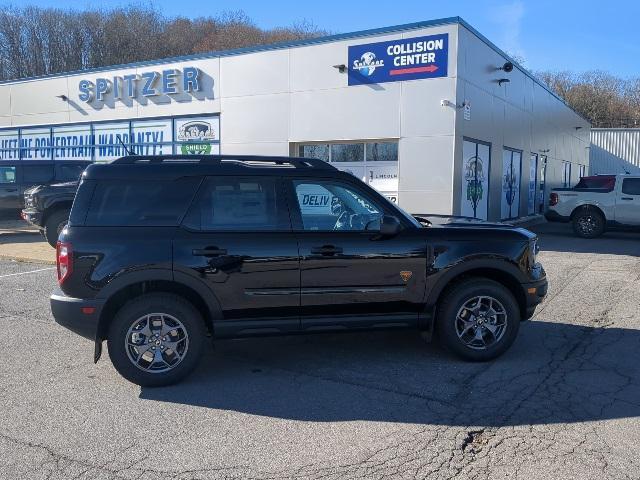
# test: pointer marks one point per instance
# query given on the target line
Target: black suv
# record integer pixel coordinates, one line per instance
(161, 252)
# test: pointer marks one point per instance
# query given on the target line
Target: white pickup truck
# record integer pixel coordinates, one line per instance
(597, 203)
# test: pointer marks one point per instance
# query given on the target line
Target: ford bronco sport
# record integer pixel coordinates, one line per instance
(162, 252)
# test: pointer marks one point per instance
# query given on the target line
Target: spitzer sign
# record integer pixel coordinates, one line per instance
(396, 60)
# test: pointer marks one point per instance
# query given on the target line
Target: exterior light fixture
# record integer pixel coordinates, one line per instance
(503, 80)
(64, 98)
(341, 68)
(507, 67)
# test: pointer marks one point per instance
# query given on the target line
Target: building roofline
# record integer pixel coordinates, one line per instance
(301, 43)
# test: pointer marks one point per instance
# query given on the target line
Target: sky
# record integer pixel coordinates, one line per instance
(549, 35)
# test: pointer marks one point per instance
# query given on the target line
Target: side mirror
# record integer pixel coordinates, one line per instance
(389, 226)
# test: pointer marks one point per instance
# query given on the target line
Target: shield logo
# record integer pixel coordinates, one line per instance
(406, 275)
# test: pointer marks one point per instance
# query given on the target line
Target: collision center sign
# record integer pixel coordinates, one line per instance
(397, 60)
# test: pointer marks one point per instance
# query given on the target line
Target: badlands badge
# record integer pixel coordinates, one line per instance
(406, 275)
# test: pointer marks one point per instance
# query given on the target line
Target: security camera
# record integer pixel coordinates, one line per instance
(507, 67)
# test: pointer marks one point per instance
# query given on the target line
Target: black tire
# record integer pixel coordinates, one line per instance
(54, 225)
(447, 323)
(168, 304)
(588, 223)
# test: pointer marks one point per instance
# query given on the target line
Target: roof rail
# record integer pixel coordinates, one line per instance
(297, 162)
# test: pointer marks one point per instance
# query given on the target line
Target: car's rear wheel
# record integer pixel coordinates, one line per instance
(588, 223)
(156, 339)
(54, 225)
(478, 319)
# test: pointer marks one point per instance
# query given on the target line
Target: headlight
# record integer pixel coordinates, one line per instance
(535, 249)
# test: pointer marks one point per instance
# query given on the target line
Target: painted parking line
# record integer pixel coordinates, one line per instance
(25, 273)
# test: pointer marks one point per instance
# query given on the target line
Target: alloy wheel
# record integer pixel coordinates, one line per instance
(481, 322)
(157, 342)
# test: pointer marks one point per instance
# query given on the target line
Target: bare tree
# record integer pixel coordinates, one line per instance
(606, 100)
(38, 41)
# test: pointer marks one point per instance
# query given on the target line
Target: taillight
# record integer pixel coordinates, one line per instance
(64, 261)
(553, 199)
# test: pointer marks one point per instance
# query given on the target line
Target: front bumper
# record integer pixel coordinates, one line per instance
(78, 315)
(534, 294)
(553, 216)
(34, 217)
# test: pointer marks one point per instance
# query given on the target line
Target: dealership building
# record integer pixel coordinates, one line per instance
(431, 114)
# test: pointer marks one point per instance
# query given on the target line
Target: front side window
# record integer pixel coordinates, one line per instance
(7, 174)
(631, 186)
(239, 204)
(326, 205)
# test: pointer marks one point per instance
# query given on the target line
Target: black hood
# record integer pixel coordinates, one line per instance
(459, 221)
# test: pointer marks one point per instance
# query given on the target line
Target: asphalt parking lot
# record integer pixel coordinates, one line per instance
(563, 403)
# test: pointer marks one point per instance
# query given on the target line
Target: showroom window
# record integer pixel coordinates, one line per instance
(105, 141)
(511, 172)
(375, 163)
(476, 160)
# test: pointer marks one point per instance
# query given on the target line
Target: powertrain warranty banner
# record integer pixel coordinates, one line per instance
(397, 60)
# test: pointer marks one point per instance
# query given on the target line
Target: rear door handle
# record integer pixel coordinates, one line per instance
(11, 189)
(208, 252)
(326, 250)
(626, 198)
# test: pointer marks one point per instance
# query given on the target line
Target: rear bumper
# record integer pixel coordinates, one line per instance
(32, 216)
(78, 315)
(534, 293)
(553, 216)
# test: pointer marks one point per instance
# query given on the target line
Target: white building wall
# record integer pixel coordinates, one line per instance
(520, 114)
(270, 101)
(615, 151)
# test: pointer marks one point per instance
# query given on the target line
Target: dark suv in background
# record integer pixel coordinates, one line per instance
(17, 176)
(161, 252)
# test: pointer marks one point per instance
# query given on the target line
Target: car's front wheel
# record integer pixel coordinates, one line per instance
(156, 339)
(478, 319)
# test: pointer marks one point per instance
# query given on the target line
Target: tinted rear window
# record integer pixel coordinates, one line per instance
(140, 203)
(604, 181)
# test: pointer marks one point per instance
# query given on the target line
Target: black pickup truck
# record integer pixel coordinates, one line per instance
(48, 206)
(161, 252)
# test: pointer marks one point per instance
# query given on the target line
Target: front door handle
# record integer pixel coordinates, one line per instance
(626, 198)
(11, 190)
(326, 250)
(209, 252)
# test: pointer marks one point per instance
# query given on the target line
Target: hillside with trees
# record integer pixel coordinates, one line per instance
(39, 41)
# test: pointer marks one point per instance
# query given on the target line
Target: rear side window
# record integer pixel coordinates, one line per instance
(239, 204)
(69, 173)
(7, 174)
(631, 186)
(600, 181)
(140, 203)
(37, 173)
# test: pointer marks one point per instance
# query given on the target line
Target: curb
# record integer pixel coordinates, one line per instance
(27, 259)
(529, 221)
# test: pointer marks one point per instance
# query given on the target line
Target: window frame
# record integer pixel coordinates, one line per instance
(284, 216)
(362, 189)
